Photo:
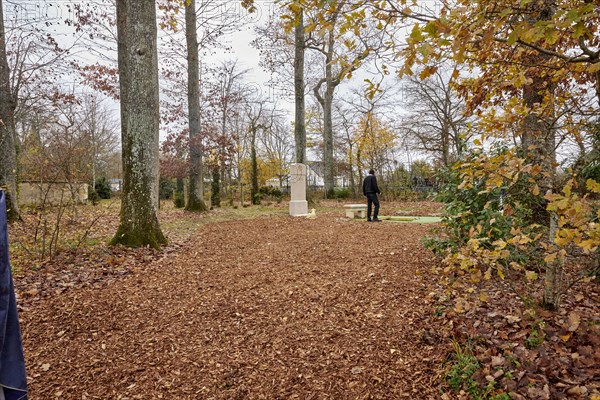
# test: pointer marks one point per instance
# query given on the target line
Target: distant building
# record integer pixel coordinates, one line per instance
(116, 184)
(341, 181)
(316, 173)
(52, 193)
(273, 182)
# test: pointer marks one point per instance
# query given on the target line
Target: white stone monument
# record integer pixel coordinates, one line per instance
(298, 203)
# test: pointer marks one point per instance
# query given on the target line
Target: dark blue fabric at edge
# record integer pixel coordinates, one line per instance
(13, 379)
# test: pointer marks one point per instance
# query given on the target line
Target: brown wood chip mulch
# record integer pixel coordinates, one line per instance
(271, 308)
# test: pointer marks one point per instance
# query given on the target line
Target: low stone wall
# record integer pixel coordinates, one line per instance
(37, 194)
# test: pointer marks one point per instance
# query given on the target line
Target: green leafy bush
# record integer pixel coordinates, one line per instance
(103, 188)
(497, 222)
(179, 199)
(343, 193)
(166, 188)
(268, 192)
(483, 215)
(93, 197)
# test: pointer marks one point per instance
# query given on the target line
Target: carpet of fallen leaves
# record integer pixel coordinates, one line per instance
(530, 352)
(82, 257)
(275, 307)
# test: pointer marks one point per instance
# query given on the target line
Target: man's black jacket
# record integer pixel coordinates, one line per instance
(370, 185)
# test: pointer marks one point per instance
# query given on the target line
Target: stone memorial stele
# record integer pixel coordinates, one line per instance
(298, 203)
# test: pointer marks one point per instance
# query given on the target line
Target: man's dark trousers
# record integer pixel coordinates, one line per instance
(372, 200)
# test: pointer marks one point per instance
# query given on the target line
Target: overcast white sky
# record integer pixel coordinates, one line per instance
(239, 42)
(57, 11)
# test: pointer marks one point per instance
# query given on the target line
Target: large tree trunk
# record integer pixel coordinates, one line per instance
(217, 169)
(538, 136)
(179, 193)
(328, 162)
(196, 189)
(539, 147)
(8, 149)
(138, 80)
(299, 121)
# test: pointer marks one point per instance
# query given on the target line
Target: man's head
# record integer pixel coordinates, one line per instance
(371, 172)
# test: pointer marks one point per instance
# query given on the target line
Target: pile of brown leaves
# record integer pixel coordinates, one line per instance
(530, 352)
(275, 307)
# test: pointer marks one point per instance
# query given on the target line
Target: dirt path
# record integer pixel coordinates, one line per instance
(272, 308)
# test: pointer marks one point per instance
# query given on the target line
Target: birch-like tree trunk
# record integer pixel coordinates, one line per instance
(138, 80)
(195, 200)
(8, 149)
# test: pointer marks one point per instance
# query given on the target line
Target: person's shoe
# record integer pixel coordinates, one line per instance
(369, 220)
(376, 220)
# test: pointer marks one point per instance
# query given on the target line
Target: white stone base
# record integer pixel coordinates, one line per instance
(356, 209)
(353, 213)
(298, 208)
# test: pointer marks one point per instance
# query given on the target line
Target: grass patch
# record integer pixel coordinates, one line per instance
(536, 337)
(412, 219)
(191, 222)
(461, 376)
(439, 310)
(45, 233)
(462, 369)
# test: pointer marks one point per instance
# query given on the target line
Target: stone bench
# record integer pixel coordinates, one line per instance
(356, 209)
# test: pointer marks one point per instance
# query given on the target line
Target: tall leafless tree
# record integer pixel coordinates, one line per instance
(8, 150)
(337, 67)
(195, 200)
(437, 122)
(299, 85)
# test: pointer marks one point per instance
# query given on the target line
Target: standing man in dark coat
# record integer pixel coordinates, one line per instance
(370, 189)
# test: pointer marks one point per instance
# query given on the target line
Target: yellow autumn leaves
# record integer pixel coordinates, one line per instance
(577, 223)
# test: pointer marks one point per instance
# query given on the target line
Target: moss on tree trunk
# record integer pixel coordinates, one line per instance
(136, 236)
